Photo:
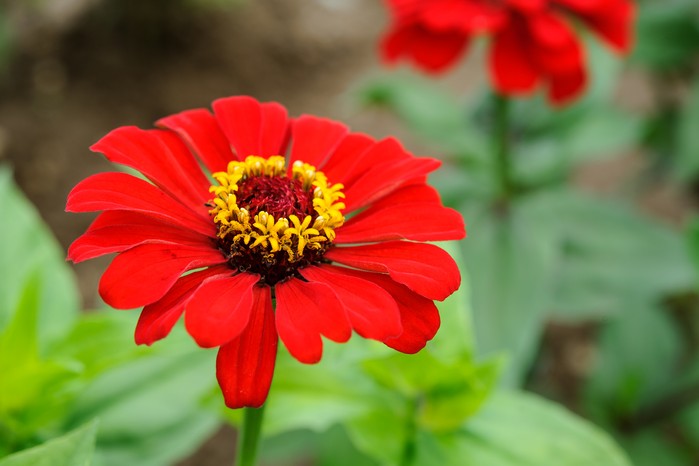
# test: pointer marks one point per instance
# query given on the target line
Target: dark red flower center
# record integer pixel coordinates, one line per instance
(270, 223)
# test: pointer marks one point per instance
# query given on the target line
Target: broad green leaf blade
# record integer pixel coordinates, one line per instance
(517, 429)
(151, 410)
(34, 389)
(26, 245)
(100, 341)
(455, 338)
(667, 35)
(72, 449)
(512, 263)
(318, 396)
(693, 239)
(687, 164)
(609, 251)
(629, 372)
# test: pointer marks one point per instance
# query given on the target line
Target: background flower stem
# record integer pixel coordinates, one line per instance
(409, 447)
(501, 147)
(249, 436)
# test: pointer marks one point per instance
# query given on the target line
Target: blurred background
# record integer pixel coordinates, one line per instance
(589, 284)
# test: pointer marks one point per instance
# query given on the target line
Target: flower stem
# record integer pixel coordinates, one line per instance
(501, 147)
(410, 445)
(249, 436)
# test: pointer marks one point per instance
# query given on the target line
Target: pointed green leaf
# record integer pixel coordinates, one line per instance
(26, 245)
(72, 449)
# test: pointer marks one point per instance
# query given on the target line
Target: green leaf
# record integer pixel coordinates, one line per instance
(72, 449)
(693, 239)
(687, 163)
(318, 396)
(513, 263)
(608, 251)
(33, 389)
(517, 429)
(657, 446)
(629, 372)
(667, 36)
(151, 410)
(26, 245)
(447, 393)
(100, 341)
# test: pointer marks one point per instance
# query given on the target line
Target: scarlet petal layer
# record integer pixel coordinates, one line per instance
(304, 312)
(384, 178)
(314, 139)
(251, 127)
(419, 316)
(566, 87)
(433, 51)
(468, 17)
(511, 66)
(245, 365)
(120, 191)
(358, 153)
(371, 310)
(424, 268)
(144, 274)
(220, 309)
(157, 319)
(162, 157)
(199, 129)
(418, 221)
(117, 231)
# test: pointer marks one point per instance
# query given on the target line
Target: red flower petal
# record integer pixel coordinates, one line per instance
(120, 191)
(412, 193)
(157, 319)
(304, 312)
(251, 127)
(528, 6)
(220, 309)
(245, 365)
(558, 50)
(511, 67)
(142, 275)
(549, 30)
(468, 17)
(385, 177)
(583, 6)
(314, 139)
(419, 315)
(614, 23)
(339, 166)
(424, 268)
(432, 51)
(200, 130)
(563, 88)
(372, 311)
(359, 153)
(404, 9)
(417, 221)
(162, 158)
(117, 231)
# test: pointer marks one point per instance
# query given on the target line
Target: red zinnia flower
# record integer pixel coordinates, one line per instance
(533, 40)
(339, 249)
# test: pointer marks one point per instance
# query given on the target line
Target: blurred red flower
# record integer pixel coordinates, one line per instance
(533, 41)
(221, 249)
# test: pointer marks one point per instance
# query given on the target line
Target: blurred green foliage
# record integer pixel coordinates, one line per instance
(61, 369)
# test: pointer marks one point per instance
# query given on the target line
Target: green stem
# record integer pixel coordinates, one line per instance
(410, 445)
(249, 436)
(501, 147)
